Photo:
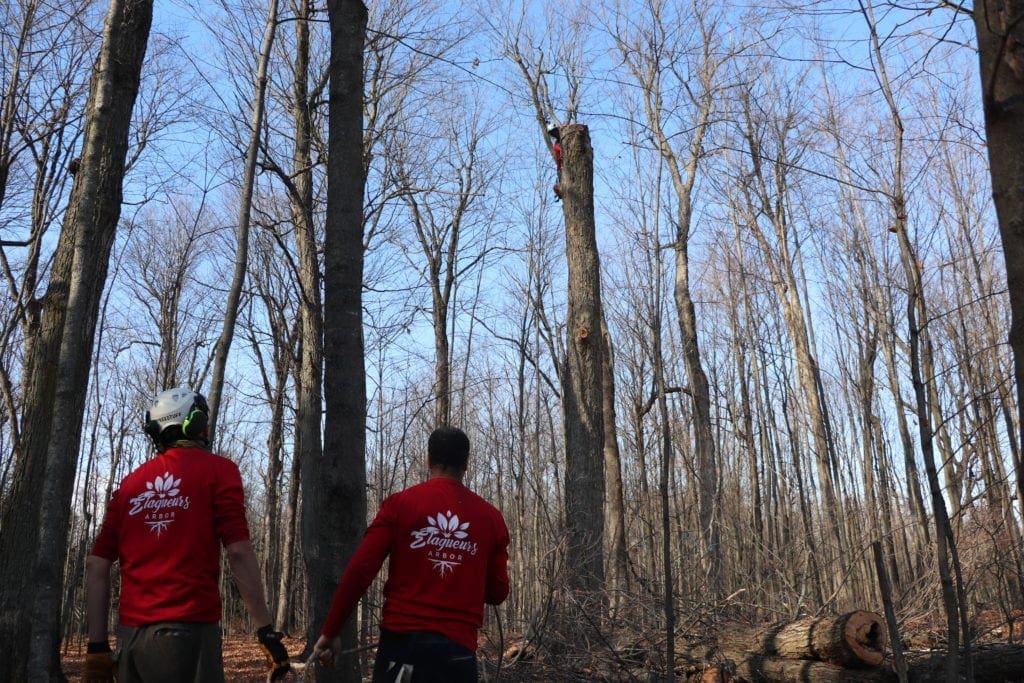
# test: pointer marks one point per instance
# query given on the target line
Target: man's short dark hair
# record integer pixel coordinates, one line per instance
(448, 447)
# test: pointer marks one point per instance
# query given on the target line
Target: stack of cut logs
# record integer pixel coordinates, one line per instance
(847, 647)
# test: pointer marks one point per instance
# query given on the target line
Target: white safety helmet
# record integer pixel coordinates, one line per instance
(178, 407)
(552, 129)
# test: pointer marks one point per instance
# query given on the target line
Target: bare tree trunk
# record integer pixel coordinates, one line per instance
(309, 373)
(334, 487)
(1000, 28)
(615, 513)
(36, 144)
(282, 611)
(650, 60)
(582, 398)
(768, 193)
(36, 511)
(223, 347)
(923, 378)
(439, 203)
(275, 388)
(665, 471)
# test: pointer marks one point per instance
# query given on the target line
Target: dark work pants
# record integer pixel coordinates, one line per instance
(422, 657)
(171, 652)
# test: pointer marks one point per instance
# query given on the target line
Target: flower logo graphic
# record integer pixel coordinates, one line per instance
(447, 525)
(446, 540)
(164, 486)
(160, 502)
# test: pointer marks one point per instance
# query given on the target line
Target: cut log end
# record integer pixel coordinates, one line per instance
(864, 634)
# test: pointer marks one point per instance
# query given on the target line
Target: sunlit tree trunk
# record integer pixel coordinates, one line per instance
(769, 195)
(651, 57)
(441, 193)
(39, 137)
(615, 513)
(35, 514)
(582, 398)
(309, 373)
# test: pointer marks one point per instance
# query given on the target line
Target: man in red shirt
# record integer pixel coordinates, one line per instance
(165, 526)
(449, 555)
(556, 148)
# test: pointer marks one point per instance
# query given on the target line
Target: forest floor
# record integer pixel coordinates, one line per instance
(243, 660)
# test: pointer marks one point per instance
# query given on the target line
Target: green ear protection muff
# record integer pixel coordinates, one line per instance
(195, 424)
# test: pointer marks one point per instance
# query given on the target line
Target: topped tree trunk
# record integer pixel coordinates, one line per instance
(582, 408)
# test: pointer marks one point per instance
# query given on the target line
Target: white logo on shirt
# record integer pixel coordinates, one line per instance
(160, 502)
(446, 540)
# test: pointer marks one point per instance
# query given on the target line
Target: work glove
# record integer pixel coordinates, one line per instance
(273, 648)
(99, 664)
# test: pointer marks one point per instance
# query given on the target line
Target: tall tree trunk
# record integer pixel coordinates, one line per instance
(283, 608)
(1000, 28)
(334, 487)
(582, 397)
(36, 511)
(223, 347)
(272, 479)
(615, 513)
(923, 377)
(650, 58)
(309, 373)
(768, 193)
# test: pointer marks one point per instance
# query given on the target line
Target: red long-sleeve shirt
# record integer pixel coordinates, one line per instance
(449, 555)
(165, 525)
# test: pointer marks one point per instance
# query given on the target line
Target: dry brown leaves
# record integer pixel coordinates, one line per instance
(243, 660)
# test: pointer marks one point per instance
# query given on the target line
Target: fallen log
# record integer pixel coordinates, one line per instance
(1000, 663)
(808, 671)
(851, 640)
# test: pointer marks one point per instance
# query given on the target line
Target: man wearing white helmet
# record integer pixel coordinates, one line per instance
(165, 526)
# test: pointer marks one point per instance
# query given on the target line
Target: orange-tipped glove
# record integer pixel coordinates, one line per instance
(99, 664)
(273, 648)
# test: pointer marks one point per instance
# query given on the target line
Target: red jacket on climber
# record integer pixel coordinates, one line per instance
(556, 136)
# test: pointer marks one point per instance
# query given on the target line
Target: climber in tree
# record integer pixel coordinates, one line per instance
(556, 147)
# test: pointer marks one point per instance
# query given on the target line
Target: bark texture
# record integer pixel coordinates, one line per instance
(334, 486)
(35, 517)
(854, 640)
(1000, 29)
(583, 413)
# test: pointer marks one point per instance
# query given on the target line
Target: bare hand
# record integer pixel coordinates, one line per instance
(322, 650)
